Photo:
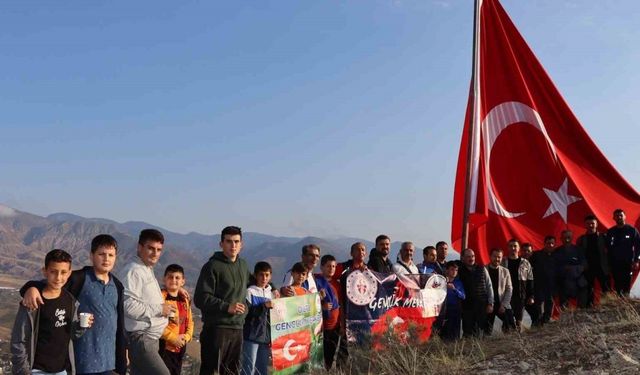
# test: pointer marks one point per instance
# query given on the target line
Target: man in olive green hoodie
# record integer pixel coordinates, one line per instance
(220, 294)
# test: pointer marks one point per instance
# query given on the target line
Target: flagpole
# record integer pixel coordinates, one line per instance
(475, 109)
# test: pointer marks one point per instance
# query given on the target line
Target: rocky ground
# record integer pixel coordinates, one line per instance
(603, 340)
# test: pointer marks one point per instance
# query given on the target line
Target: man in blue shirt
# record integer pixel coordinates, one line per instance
(430, 264)
(95, 350)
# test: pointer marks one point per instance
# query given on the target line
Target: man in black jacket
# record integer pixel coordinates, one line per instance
(594, 246)
(544, 274)
(442, 248)
(379, 257)
(571, 266)
(623, 246)
(479, 294)
(522, 280)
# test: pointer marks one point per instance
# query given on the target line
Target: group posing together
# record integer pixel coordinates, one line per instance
(528, 280)
(133, 322)
(129, 321)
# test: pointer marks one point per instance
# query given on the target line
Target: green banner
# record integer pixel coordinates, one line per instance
(296, 334)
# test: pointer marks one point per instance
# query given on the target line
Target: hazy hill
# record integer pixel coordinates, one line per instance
(25, 239)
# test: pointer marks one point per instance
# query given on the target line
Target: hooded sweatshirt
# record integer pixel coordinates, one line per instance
(221, 283)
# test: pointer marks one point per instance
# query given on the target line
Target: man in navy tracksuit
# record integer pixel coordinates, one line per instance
(623, 248)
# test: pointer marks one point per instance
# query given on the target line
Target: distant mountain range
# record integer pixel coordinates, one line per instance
(26, 238)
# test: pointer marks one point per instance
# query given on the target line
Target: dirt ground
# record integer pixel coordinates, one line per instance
(602, 340)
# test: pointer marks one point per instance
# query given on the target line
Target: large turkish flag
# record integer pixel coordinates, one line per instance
(535, 171)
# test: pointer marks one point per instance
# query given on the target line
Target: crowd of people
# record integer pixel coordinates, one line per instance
(89, 321)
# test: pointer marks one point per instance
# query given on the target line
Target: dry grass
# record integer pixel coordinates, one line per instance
(410, 358)
(603, 340)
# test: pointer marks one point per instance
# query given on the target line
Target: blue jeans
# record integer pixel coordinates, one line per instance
(255, 358)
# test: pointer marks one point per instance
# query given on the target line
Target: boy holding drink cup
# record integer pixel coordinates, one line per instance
(179, 331)
(100, 294)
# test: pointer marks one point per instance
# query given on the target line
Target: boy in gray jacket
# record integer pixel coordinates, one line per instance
(41, 339)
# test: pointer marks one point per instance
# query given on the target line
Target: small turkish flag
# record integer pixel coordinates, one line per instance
(535, 171)
(291, 349)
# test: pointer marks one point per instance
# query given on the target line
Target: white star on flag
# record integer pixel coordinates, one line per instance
(560, 200)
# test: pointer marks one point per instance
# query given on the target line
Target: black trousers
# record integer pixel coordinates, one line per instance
(172, 360)
(621, 272)
(534, 313)
(474, 319)
(506, 317)
(543, 305)
(450, 328)
(517, 307)
(330, 340)
(343, 353)
(592, 275)
(220, 350)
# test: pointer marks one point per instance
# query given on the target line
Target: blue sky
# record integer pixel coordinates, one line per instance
(285, 117)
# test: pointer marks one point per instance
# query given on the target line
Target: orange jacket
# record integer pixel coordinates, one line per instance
(172, 331)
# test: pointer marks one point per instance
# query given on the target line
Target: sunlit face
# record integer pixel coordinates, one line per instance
(620, 218)
(329, 269)
(150, 252)
(496, 258)
(262, 278)
(514, 249)
(57, 274)
(103, 259)
(358, 253)
(442, 251)
(311, 258)
(231, 245)
(173, 281)
(469, 257)
(406, 253)
(383, 247)
(299, 277)
(452, 272)
(430, 256)
(591, 225)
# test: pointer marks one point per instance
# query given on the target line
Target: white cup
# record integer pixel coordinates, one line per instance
(84, 319)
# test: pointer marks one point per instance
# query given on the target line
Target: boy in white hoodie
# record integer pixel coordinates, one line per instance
(256, 345)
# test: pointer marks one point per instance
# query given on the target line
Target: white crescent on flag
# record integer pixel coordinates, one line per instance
(497, 120)
(286, 350)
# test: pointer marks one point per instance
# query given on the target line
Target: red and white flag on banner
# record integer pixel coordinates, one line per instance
(534, 169)
(291, 349)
